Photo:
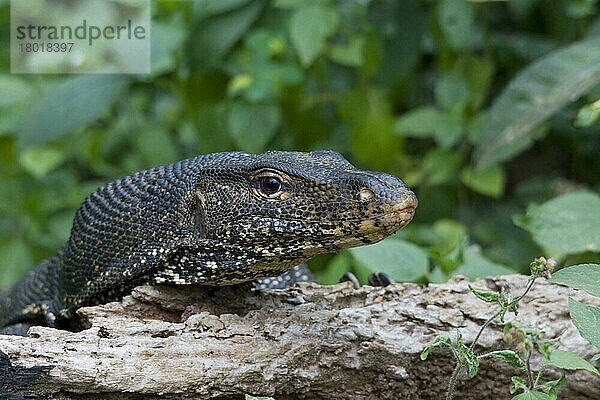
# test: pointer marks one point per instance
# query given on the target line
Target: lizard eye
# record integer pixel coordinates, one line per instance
(270, 185)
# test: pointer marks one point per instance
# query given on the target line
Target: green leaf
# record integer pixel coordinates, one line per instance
(419, 122)
(582, 276)
(156, 146)
(338, 265)
(551, 386)
(371, 127)
(394, 53)
(446, 128)
(250, 397)
(478, 72)
(465, 357)
(437, 343)
(449, 234)
(485, 295)
(518, 384)
(545, 347)
(401, 260)
(39, 161)
(504, 301)
(252, 126)
(13, 90)
(475, 265)
(16, 254)
(449, 260)
(489, 181)
(12, 196)
(215, 35)
(532, 395)
(580, 8)
(294, 4)
(587, 320)
(565, 225)
(309, 29)
(587, 115)
(570, 361)
(450, 130)
(452, 92)
(508, 356)
(441, 166)
(536, 93)
(206, 8)
(469, 360)
(166, 38)
(524, 46)
(60, 226)
(457, 21)
(350, 54)
(68, 105)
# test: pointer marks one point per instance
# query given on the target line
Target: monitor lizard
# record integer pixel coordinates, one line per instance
(216, 219)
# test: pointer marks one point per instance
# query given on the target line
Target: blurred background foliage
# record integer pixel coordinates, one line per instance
(488, 109)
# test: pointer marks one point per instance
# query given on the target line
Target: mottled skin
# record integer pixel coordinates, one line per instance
(217, 219)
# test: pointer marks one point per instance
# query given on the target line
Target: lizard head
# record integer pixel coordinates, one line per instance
(290, 206)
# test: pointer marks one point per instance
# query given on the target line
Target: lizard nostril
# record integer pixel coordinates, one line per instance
(365, 194)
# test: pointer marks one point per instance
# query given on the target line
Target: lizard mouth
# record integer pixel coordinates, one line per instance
(346, 233)
(386, 224)
(398, 218)
(379, 227)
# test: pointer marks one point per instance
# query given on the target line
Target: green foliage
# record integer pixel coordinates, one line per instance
(587, 320)
(582, 276)
(565, 225)
(524, 340)
(585, 317)
(508, 356)
(250, 397)
(588, 114)
(533, 395)
(485, 295)
(69, 105)
(401, 260)
(309, 29)
(474, 104)
(474, 265)
(535, 94)
(570, 361)
(263, 119)
(489, 110)
(439, 342)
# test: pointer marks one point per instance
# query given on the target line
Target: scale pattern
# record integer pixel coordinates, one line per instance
(210, 220)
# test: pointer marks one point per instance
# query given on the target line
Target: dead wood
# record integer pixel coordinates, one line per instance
(308, 341)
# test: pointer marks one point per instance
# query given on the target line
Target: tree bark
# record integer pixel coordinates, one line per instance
(308, 341)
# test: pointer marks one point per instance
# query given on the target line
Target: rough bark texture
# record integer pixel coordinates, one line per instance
(308, 341)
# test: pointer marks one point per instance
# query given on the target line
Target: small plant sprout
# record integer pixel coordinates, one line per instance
(524, 341)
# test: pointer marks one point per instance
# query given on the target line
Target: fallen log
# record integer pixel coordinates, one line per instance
(308, 341)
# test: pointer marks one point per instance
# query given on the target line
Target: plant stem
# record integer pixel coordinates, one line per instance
(529, 373)
(454, 377)
(538, 376)
(493, 317)
(527, 289)
(452, 383)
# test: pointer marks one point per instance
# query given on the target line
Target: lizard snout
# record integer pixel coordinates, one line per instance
(390, 201)
(388, 190)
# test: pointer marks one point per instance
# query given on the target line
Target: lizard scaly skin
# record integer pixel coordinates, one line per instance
(217, 219)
